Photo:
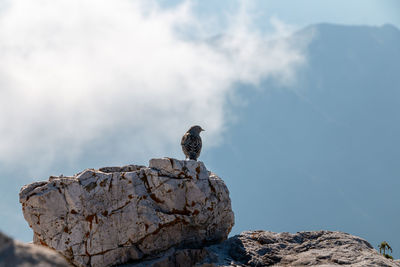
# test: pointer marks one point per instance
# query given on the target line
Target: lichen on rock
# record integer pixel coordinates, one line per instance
(117, 214)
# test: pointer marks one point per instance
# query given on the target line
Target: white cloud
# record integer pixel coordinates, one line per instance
(86, 78)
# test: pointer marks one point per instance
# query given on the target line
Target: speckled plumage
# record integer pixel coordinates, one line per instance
(191, 142)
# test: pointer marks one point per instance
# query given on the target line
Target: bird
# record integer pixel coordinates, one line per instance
(191, 142)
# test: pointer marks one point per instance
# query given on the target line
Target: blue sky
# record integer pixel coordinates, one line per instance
(306, 12)
(79, 91)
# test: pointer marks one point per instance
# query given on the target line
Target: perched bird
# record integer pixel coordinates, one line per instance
(191, 142)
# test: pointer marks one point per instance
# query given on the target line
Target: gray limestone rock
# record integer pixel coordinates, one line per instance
(118, 214)
(263, 248)
(316, 248)
(18, 254)
(172, 213)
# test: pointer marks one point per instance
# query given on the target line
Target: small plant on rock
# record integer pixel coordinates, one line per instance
(385, 246)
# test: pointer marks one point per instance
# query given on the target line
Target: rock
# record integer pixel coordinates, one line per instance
(172, 213)
(117, 214)
(17, 254)
(262, 248)
(176, 258)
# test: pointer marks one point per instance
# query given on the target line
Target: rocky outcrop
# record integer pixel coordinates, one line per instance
(118, 214)
(172, 213)
(17, 254)
(262, 248)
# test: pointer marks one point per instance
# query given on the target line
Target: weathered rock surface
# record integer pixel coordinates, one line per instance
(262, 248)
(17, 254)
(118, 214)
(172, 213)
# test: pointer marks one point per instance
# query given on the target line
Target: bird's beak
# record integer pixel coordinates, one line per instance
(202, 130)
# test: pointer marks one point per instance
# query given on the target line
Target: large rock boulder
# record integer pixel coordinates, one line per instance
(262, 248)
(118, 214)
(17, 254)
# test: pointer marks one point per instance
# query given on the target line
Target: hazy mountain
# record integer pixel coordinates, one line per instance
(323, 153)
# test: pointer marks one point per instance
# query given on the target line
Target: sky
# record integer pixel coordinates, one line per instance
(306, 12)
(94, 83)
